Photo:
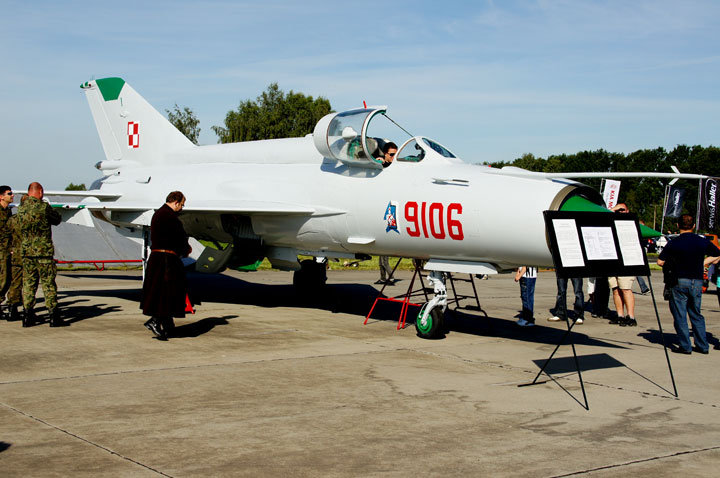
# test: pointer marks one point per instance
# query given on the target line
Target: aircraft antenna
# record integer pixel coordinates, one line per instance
(406, 131)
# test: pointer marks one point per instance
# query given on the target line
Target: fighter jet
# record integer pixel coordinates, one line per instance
(325, 195)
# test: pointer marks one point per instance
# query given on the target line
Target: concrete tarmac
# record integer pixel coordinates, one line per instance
(261, 382)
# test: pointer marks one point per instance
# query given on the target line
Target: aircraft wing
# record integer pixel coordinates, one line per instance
(237, 207)
(77, 194)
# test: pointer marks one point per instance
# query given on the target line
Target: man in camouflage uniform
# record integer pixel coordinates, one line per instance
(14, 294)
(35, 218)
(6, 197)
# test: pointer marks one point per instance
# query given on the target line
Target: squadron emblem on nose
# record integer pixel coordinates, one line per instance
(391, 217)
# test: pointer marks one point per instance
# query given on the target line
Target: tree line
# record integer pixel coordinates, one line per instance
(644, 196)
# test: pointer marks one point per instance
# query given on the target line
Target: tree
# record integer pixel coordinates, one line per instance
(76, 187)
(644, 196)
(273, 114)
(185, 121)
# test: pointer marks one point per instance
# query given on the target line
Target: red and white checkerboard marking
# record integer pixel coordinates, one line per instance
(133, 132)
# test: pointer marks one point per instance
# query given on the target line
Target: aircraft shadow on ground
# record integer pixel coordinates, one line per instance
(4, 446)
(355, 299)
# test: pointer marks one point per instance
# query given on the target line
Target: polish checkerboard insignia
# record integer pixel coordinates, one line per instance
(133, 132)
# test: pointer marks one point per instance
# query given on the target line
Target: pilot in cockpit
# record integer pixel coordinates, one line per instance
(389, 150)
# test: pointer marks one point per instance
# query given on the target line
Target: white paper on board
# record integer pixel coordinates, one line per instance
(568, 242)
(629, 241)
(599, 243)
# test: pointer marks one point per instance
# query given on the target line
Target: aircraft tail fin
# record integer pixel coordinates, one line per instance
(129, 127)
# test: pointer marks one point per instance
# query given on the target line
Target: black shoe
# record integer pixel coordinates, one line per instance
(616, 320)
(644, 292)
(28, 319)
(678, 350)
(55, 320)
(701, 351)
(380, 281)
(629, 322)
(153, 326)
(15, 314)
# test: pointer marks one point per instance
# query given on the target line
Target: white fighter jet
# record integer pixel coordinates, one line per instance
(325, 195)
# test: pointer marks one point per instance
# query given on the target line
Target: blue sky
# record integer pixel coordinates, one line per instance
(491, 80)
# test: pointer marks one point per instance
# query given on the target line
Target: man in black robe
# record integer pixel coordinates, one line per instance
(164, 289)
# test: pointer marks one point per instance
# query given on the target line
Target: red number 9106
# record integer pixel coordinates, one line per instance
(434, 219)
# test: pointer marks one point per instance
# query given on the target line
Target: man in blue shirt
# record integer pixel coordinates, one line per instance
(686, 255)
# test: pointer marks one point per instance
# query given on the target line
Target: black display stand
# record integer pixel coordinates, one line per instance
(592, 244)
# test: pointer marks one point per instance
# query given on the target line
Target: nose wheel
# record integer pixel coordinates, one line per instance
(432, 325)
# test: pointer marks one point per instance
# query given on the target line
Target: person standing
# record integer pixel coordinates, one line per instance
(560, 310)
(687, 256)
(385, 271)
(164, 288)
(6, 197)
(622, 291)
(527, 276)
(38, 265)
(14, 294)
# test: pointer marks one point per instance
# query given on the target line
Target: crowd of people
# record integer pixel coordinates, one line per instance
(27, 259)
(27, 255)
(683, 261)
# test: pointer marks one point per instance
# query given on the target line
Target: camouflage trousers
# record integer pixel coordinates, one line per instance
(43, 270)
(5, 274)
(14, 294)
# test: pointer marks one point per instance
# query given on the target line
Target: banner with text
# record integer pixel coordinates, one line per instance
(675, 199)
(611, 193)
(708, 205)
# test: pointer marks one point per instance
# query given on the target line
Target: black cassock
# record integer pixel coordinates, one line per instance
(164, 288)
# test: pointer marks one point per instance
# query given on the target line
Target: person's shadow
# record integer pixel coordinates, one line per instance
(200, 327)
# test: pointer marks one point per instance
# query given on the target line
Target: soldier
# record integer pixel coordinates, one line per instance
(35, 218)
(14, 295)
(6, 197)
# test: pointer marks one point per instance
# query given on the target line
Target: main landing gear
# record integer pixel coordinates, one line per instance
(311, 277)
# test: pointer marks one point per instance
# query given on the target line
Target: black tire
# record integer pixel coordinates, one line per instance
(435, 326)
(311, 277)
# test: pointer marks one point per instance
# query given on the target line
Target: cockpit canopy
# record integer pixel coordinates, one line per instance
(348, 137)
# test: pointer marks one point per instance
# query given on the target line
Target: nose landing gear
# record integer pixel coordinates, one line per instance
(430, 322)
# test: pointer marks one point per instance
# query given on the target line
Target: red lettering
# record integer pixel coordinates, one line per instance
(424, 222)
(411, 210)
(455, 230)
(436, 207)
(439, 222)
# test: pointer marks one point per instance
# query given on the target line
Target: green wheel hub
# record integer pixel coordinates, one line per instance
(424, 329)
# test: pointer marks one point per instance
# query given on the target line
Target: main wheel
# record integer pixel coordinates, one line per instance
(311, 277)
(434, 327)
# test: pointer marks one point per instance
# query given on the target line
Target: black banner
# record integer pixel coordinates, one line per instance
(709, 205)
(675, 202)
